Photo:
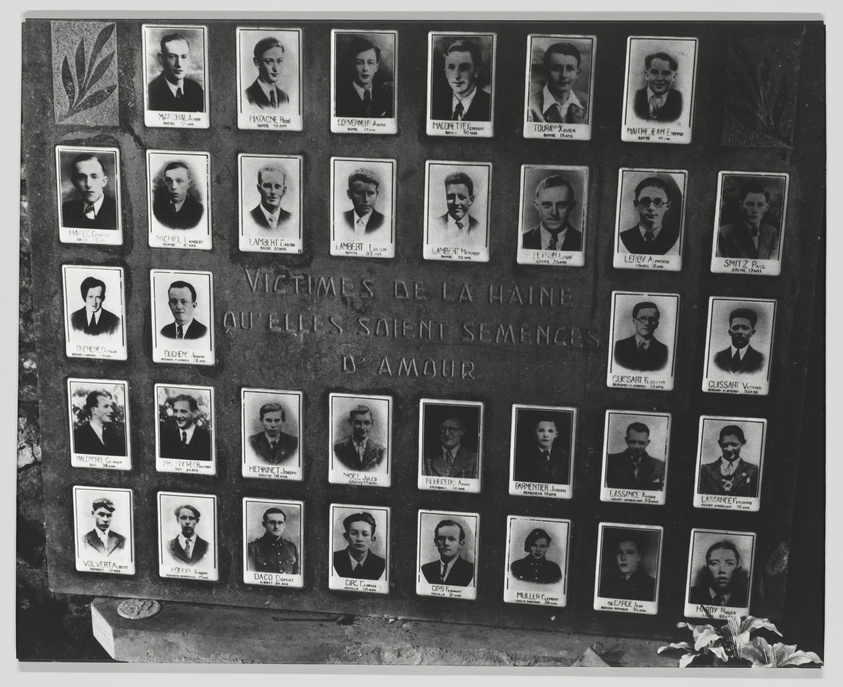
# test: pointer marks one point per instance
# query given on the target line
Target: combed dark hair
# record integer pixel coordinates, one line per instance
(359, 45)
(653, 182)
(460, 178)
(359, 517)
(193, 509)
(449, 523)
(724, 544)
(645, 304)
(271, 407)
(265, 44)
(746, 313)
(464, 45)
(734, 431)
(638, 427)
(561, 49)
(92, 399)
(365, 175)
(270, 511)
(674, 65)
(183, 285)
(752, 187)
(89, 283)
(194, 406)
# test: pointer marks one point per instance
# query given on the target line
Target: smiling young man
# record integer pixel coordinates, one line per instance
(659, 101)
(357, 559)
(729, 474)
(558, 101)
(634, 468)
(98, 436)
(183, 438)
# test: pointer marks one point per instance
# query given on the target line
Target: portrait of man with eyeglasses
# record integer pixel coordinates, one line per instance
(642, 351)
(652, 235)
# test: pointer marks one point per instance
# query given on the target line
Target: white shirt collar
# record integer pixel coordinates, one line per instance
(640, 339)
(448, 566)
(466, 224)
(188, 431)
(454, 451)
(354, 561)
(360, 223)
(103, 536)
(173, 88)
(546, 236)
(654, 233)
(95, 316)
(97, 204)
(549, 101)
(360, 90)
(269, 215)
(184, 328)
(466, 102)
(740, 351)
(183, 540)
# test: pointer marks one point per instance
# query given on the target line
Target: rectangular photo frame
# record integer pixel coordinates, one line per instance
(358, 559)
(541, 577)
(454, 427)
(360, 440)
(181, 517)
(272, 432)
(627, 577)
(273, 542)
(98, 423)
(182, 302)
(542, 450)
(109, 545)
(271, 199)
(185, 430)
(94, 330)
(720, 568)
(446, 557)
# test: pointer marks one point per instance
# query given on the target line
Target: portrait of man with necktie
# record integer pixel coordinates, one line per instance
(272, 185)
(265, 93)
(273, 446)
(172, 90)
(634, 467)
(176, 198)
(358, 451)
(454, 564)
(750, 216)
(99, 429)
(90, 203)
(730, 474)
(642, 351)
(462, 191)
(628, 558)
(553, 204)
(457, 75)
(554, 96)
(360, 534)
(542, 446)
(722, 579)
(363, 82)
(740, 357)
(656, 209)
(187, 548)
(182, 300)
(184, 432)
(363, 190)
(451, 441)
(93, 319)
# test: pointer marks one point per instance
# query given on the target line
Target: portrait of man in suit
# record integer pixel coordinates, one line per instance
(102, 541)
(93, 209)
(462, 99)
(272, 445)
(623, 577)
(363, 188)
(558, 101)
(357, 451)
(659, 101)
(264, 92)
(634, 468)
(729, 474)
(98, 436)
(183, 438)
(173, 204)
(722, 581)
(642, 351)
(651, 236)
(93, 319)
(457, 227)
(172, 90)
(554, 202)
(272, 552)
(181, 299)
(188, 548)
(357, 559)
(449, 458)
(750, 237)
(541, 457)
(272, 185)
(359, 90)
(450, 568)
(740, 357)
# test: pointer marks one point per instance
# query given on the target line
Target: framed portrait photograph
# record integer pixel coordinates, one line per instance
(554, 203)
(273, 542)
(363, 207)
(719, 574)
(650, 219)
(270, 203)
(645, 329)
(446, 558)
(661, 74)
(175, 67)
(635, 451)
(359, 553)
(360, 440)
(99, 423)
(450, 445)
(88, 195)
(272, 432)
(559, 87)
(103, 526)
(364, 87)
(739, 345)
(628, 565)
(269, 79)
(541, 456)
(182, 317)
(187, 536)
(179, 193)
(94, 312)
(730, 461)
(456, 217)
(461, 84)
(750, 221)
(536, 561)
(184, 433)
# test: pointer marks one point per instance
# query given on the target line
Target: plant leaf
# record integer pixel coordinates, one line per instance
(67, 81)
(101, 68)
(99, 43)
(750, 624)
(686, 660)
(788, 655)
(706, 638)
(80, 67)
(95, 98)
(674, 646)
(720, 652)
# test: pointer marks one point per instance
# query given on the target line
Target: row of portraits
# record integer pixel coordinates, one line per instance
(451, 454)
(649, 225)
(461, 86)
(448, 559)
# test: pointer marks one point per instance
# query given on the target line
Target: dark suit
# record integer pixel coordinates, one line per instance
(115, 542)
(256, 96)
(195, 330)
(540, 570)
(162, 98)
(284, 449)
(85, 440)
(573, 239)
(480, 109)
(268, 554)
(465, 465)
(199, 447)
(376, 220)
(620, 472)
(346, 454)
(735, 241)
(627, 355)
(260, 218)
(461, 574)
(669, 112)
(635, 243)
(349, 104)
(742, 482)
(372, 569)
(187, 217)
(639, 587)
(73, 215)
(107, 324)
(752, 361)
(532, 466)
(701, 595)
(200, 548)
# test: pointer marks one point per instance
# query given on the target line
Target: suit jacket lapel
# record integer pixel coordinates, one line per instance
(461, 461)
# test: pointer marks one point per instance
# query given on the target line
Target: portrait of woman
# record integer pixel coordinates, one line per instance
(535, 567)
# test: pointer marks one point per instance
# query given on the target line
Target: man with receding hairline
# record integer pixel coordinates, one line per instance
(172, 90)
(554, 201)
(93, 209)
